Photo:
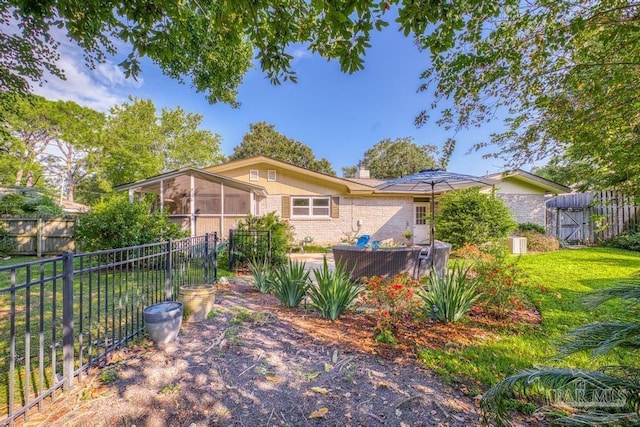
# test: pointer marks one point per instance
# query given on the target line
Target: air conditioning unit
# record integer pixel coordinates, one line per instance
(517, 245)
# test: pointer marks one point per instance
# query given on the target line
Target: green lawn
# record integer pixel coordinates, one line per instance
(557, 283)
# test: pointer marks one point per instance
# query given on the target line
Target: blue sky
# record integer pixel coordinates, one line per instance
(338, 115)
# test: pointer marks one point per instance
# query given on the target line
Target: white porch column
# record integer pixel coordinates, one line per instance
(222, 230)
(193, 205)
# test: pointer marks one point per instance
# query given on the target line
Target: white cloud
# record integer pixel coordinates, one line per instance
(100, 88)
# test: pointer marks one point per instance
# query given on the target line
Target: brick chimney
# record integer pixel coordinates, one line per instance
(362, 171)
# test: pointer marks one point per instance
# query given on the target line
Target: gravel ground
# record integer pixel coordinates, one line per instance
(253, 364)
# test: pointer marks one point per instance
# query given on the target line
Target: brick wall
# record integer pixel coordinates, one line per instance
(526, 207)
(380, 217)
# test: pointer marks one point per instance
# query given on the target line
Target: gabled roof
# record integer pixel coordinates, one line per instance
(530, 178)
(241, 185)
(352, 187)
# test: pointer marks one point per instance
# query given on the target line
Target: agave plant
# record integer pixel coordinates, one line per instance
(449, 296)
(610, 396)
(262, 275)
(290, 283)
(334, 291)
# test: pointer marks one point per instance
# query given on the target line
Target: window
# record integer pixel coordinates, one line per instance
(254, 175)
(271, 175)
(421, 215)
(310, 207)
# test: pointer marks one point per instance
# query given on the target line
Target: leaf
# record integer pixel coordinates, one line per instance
(334, 358)
(320, 390)
(328, 367)
(273, 379)
(319, 413)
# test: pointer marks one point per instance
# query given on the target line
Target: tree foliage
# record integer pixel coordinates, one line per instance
(390, 159)
(469, 216)
(210, 42)
(562, 74)
(264, 140)
(140, 143)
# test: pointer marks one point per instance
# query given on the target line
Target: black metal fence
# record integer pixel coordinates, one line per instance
(60, 316)
(248, 245)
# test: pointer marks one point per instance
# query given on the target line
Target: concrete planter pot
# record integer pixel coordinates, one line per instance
(198, 301)
(163, 321)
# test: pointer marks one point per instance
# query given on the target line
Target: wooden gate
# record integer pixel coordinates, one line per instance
(573, 225)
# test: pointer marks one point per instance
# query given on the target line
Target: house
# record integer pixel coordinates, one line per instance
(325, 207)
(526, 194)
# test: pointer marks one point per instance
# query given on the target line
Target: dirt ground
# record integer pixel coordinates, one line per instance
(257, 364)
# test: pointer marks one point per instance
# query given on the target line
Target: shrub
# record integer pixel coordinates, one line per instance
(262, 275)
(290, 283)
(629, 241)
(393, 298)
(468, 216)
(449, 297)
(334, 291)
(530, 226)
(498, 281)
(281, 234)
(7, 243)
(117, 223)
(537, 242)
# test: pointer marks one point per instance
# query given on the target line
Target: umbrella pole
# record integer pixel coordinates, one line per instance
(433, 214)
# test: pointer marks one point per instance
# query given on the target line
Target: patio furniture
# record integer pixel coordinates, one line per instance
(378, 262)
(363, 240)
(436, 255)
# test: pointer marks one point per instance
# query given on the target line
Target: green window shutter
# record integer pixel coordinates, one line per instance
(335, 207)
(286, 207)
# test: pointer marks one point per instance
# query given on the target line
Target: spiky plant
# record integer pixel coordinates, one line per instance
(449, 296)
(262, 275)
(290, 283)
(334, 290)
(609, 396)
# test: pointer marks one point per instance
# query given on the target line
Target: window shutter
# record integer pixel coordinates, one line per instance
(286, 207)
(335, 207)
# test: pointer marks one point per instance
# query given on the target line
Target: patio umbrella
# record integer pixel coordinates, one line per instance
(432, 180)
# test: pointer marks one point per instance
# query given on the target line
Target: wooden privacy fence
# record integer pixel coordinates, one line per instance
(592, 217)
(40, 235)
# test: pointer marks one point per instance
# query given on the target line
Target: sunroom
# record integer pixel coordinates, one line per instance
(201, 202)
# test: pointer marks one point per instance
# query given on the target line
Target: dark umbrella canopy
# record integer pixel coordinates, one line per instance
(432, 180)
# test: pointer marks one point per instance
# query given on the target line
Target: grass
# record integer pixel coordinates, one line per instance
(127, 291)
(557, 283)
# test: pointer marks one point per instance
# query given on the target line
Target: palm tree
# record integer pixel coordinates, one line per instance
(609, 396)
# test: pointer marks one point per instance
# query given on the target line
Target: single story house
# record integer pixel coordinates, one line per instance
(526, 194)
(327, 208)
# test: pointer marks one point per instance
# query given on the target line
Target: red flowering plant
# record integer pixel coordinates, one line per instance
(394, 298)
(499, 278)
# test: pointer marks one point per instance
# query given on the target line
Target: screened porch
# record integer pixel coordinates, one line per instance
(199, 201)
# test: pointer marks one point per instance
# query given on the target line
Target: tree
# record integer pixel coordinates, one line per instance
(208, 40)
(264, 140)
(78, 143)
(392, 159)
(140, 143)
(31, 129)
(562, 74)
(56, 139)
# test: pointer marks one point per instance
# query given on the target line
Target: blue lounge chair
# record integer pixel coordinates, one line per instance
(363, 240)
